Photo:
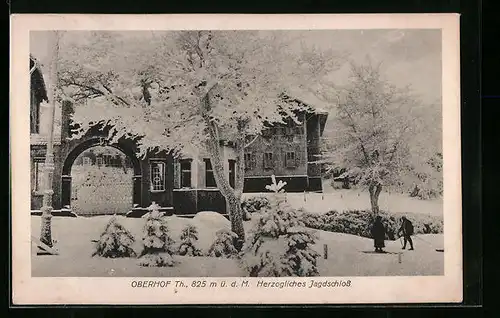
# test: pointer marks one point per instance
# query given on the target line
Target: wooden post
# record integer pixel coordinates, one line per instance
(325, 251)
(399, 257)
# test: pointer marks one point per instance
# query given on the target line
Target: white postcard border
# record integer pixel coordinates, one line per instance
(73, 290)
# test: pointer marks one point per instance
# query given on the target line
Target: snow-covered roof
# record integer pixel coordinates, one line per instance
(309, 99)
(311, 108)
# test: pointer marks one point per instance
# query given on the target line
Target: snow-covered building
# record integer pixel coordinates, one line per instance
(39, 128)
(183, 186)
(289, 151)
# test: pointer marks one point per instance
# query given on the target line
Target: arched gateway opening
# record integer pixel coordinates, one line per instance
(101, 178)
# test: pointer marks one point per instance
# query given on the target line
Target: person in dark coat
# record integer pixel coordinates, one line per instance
(378, 234)
(407, 230)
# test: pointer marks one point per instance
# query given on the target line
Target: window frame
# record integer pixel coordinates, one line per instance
(163, 187)
(290, 163)
(232, 172)
(209, 172)
(268, 162)
(182, 171)
(249, 158)
(37, 186)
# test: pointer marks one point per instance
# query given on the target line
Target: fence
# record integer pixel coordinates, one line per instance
(355, 199)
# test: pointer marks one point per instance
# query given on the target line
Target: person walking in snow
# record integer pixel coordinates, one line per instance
(378, 234)
(407, 230)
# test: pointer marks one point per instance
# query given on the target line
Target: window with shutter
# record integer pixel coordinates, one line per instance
(290, 160)
(268, 160)
(249, 161)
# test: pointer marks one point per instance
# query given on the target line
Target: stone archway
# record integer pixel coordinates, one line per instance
(126, 147)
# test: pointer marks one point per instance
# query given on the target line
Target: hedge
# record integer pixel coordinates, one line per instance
(358, 222)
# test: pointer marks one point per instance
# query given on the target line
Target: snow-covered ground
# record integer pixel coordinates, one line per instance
(348, 255)
(353, 199)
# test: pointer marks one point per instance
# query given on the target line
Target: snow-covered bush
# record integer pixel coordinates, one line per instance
(279, 244)
(428, 180)
(275, 218)
(157, 260)
(288, 255)
(300, 259)
(158, 245)
(359, 222)
(427, 191)
(223, 245)
(254, 204)
(263, 264)
(115, 241)
(189, 237)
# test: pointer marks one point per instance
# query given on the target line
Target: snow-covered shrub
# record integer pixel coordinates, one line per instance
(428, 179)
(158, 245)
(115, 241)
(279, 244)
(223, 246)
(263, 264)
(425, 224)
(426, 191)
(359, 222)
(356, 222)
(276, 219)
(189, 237)
(157, 260)
(300, 259)
(254, 204)
(290, 254)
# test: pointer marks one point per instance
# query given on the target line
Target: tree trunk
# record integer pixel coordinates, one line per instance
(233, 197)
(236, 217)
(240, 168)
(375, 190)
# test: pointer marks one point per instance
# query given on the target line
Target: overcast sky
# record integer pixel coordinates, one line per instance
(408, 57)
